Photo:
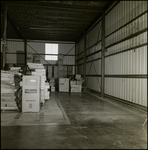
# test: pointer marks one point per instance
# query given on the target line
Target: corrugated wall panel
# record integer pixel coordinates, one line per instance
(65, 48)
(94, 68)
(14, 46)
(133, 58)
(130, 62)
(94, 35)
(80, 69)
(94, 83)
(133, 90)
(69, 60)
(11, 58)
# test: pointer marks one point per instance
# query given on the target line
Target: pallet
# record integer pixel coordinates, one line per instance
(8, 108)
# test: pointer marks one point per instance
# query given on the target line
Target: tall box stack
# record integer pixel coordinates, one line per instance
(31, 94)
(39, 71)
(47, 92)
(8, 91)
(76, 86)
(42, 74)
(52, 84)
(63, 84)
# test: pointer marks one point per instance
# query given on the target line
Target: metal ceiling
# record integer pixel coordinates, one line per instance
(50, 20)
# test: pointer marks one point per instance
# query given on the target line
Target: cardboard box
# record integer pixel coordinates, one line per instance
(63, 84)
(79, 82)
(76, 88)
(31, 94)
(53, 88)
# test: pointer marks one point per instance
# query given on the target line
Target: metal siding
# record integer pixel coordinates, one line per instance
(11, 58)
(64, 48)
(133, 90)
(14, 46)
(69, 60)
(91, 83)
(128, 62)
(80, 69)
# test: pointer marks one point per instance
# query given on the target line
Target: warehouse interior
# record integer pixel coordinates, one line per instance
(73, 74)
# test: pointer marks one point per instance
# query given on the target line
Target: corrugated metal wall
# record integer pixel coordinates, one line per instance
(39, 47)
(12, 48)
(125, 53)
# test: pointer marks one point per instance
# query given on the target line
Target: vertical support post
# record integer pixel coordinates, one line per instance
(75, 58)
(4, 36)
(84, 66)
(103, 55)
(25, 50)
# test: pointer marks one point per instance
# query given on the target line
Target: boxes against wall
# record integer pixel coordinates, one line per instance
(78, 77)
(76, 88)
(63, 84)
(52, 88)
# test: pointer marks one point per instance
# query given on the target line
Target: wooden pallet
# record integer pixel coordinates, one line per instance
(8, 108)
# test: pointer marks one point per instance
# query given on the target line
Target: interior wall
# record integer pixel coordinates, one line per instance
(125, 53)
(39, 47)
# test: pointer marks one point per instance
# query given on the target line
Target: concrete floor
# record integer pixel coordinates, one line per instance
(94, 124)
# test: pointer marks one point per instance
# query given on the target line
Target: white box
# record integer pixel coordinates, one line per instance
(31, 94)
(63, 84)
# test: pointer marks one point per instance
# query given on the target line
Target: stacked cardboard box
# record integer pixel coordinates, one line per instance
(76, 86)
(35, 66)
(47, 92)
(31, 93)
(8, 91)
(42, 74)
(63, 84)
(52, 84)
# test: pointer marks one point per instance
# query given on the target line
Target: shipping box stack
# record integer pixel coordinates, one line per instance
(76, 86)
(39, 70)
(63, 84)
(52, 84)
(8, 91)
(47, 92)
(42, 74)
(31, 93)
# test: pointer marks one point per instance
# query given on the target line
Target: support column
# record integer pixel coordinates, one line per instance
(103, 55)
(75, 58)
(4, 36)
(84, 66)
(25, 50)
